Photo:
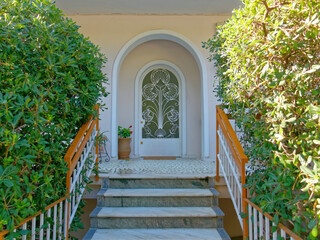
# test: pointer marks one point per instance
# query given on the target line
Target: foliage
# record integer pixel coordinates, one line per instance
(267, 58)
(50, 79)
(124, 132)
(101, 138)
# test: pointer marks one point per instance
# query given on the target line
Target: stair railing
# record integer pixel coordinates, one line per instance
(231, 158)
(81, 157)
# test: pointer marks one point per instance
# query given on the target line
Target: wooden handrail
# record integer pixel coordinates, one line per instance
(223, 120)
(82, 131)
(77, 155)
(280, 225)
(73, 147)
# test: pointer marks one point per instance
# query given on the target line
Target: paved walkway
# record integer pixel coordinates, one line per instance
(159, 167)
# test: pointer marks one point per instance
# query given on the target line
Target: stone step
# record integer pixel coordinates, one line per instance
(156, 217)
(157, 234)
(141, 181)
(157, 197)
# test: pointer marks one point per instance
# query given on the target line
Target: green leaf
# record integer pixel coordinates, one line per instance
(312, 223)
(315, 232)
(7, 182)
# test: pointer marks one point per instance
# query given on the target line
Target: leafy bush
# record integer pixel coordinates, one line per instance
(50, 79)
(267, 56)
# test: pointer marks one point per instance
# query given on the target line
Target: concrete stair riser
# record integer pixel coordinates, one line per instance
(156, 222)
(156, 202)
(126, 183)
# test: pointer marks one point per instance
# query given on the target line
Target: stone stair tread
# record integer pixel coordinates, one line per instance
(160, 192)
(109, 212)
(157, 234)
(155, 176)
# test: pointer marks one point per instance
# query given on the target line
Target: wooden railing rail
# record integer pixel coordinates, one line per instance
(81, 155)
(236, 147)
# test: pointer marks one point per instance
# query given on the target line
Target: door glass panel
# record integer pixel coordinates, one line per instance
(160, 104)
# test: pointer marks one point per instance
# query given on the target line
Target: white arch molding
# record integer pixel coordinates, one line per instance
(182, 101)
(186, 43)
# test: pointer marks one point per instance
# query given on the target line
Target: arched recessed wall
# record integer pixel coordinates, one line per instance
(176, 56)
(194, 51)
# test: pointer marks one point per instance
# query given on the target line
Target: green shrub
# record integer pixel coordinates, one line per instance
(268, 61)
(50, 79)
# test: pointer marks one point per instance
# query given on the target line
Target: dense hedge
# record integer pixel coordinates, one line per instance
(268, 60)
(50, 79)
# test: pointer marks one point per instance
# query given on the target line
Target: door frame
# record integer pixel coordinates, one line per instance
(182, 102)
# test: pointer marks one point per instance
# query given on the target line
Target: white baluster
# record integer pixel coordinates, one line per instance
(24, 227)
(275, 234)
(255, 224)
(261, 230)
(73, 203)
(41, 226)
(33, 228)
(65, 227)
(60, 220)
(267, 232)
(54, 234)
(49, 225)
(250, 222)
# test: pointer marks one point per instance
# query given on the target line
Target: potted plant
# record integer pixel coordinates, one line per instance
(124, 148)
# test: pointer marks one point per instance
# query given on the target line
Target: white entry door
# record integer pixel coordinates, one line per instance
(160, 117)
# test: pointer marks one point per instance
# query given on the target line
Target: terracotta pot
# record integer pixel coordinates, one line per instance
(124, 148)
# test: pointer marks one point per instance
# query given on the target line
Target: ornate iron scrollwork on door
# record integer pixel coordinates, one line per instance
(160, 105)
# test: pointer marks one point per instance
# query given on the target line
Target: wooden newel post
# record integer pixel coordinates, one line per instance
(97, 144)
(217, 144)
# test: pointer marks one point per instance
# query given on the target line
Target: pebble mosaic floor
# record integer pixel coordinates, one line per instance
(138, 166)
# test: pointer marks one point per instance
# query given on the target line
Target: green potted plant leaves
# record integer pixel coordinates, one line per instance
(124, 139)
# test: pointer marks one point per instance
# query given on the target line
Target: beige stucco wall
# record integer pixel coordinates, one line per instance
(111, 32)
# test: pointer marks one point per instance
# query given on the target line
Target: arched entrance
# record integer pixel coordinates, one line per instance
(187, 44)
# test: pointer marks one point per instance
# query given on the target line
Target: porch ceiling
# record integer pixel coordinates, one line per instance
(189, 7)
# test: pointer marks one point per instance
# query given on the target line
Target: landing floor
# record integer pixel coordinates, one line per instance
(180, 166)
